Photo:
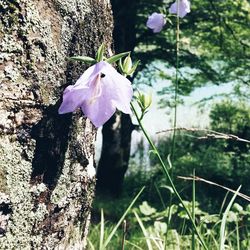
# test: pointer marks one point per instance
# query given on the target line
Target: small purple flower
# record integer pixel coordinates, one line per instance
(184, 8)
(98, 92)
(156, 22)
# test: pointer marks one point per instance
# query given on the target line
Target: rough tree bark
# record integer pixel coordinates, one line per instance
(46, 159)
(117, 131)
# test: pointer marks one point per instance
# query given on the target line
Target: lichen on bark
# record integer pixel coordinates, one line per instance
(44, 157)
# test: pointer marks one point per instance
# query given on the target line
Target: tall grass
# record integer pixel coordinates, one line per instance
(147, 228)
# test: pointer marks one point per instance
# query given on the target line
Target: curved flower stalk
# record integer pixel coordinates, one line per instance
(184, 8)
(98, 92)
(156, 22)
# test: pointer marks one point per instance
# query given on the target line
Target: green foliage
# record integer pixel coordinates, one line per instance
(146, 209)
(224, 161)
(105, 241)
(214, 46)
(155, 233)
(231, 117)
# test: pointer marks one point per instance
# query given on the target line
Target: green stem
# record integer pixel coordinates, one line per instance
(176, 78)
(175, 99)
(168, 177)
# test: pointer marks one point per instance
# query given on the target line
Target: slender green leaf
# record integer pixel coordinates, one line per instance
(170, 189)
(100, 53)
(85, 59)
(223, 203)
(120, 66)
(117, 57)
(160, 196)
(133, 69)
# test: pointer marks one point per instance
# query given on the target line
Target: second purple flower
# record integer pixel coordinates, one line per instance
(184, 8)
(156, 22)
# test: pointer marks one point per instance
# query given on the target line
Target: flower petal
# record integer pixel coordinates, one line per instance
(100, 110)
(173, 8)
(74, 95)
(72, 99)
(119, 89)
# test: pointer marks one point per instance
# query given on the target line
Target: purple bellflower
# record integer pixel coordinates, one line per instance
(98, 92)
(156, 22)
(184, 8)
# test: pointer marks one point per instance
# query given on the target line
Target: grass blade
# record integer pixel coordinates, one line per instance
(193, 211)
(237, 235)
(160, 196)
(134, 245)
(223, 203)
(124, 234)
(101, 231)
(224, 220)
(90, 245)
(121, 219)
(144, 231)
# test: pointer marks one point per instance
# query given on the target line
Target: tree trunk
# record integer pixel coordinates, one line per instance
(46, 160)
(117, 132)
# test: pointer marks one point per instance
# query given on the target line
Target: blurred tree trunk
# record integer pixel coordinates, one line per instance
(46, 160)
(115, 154)
(117, 131)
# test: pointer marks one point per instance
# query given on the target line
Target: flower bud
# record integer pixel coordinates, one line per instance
(144, 101)
(127, 66)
